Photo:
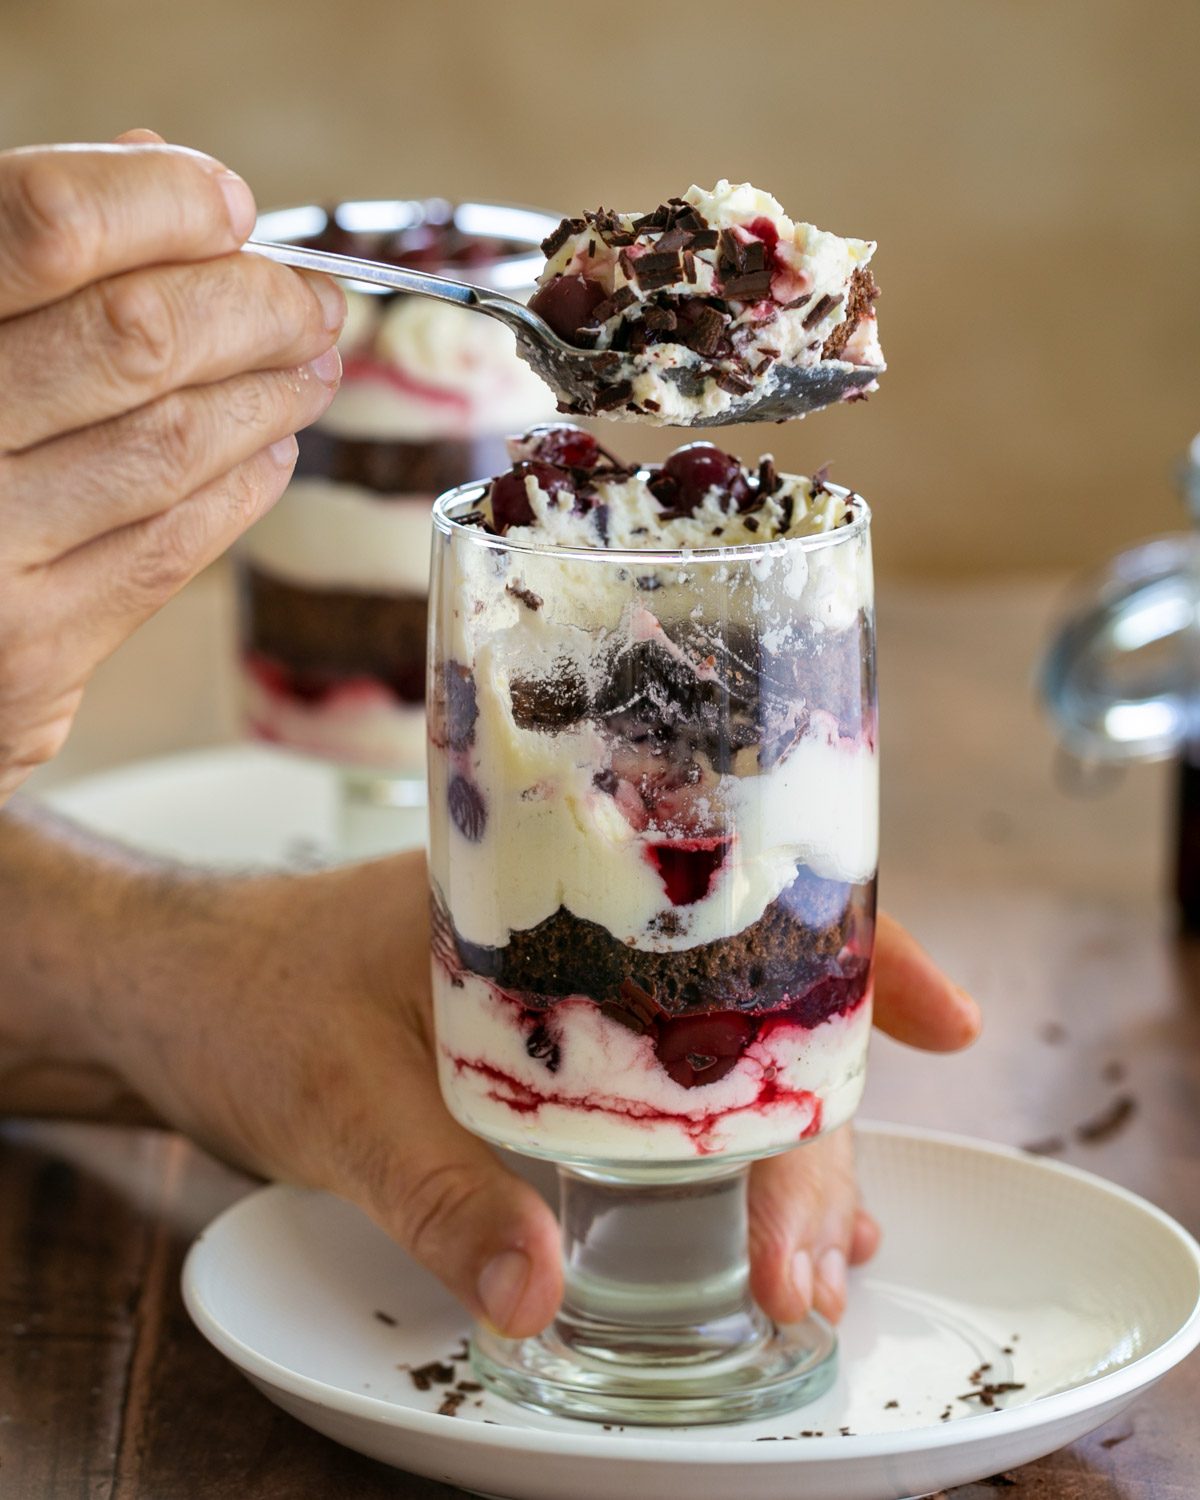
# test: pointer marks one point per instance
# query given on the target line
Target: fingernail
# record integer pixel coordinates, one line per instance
(332, 300)
(284, 452)
(239, 202)
(327, 367)
(802, 1276)
(831, 1276)
(502, 1284)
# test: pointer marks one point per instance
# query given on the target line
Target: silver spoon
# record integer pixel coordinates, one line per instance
(578, 375)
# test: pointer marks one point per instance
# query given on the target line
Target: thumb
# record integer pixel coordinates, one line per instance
(447, 1199)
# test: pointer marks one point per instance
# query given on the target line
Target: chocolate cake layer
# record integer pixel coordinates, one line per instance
(794, 954)
(336, 633)
(399, 468)
(740, 695)
(863, 292)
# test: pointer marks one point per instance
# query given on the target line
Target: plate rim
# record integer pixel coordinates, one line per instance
(1124, 1382)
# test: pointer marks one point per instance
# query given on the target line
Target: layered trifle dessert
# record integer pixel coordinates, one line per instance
(653, 784)
(334, 579)
(705, 302)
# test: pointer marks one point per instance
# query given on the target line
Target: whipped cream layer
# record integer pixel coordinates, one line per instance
(609, 1098)
(554, 838)
(703, 301)
(417, 369)
(324, 534)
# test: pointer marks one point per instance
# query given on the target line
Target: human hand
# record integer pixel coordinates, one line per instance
(152, 381)
(286, 1023)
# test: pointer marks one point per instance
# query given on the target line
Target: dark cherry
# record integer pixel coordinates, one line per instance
(566, 303)
(567, 446)
(764, 229)
(696, 1050)
(461, 707)
(687, 867)
(690, 472)
(510, 502)
(467, 808)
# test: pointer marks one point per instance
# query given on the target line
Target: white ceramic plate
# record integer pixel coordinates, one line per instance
(240, 805)
(1095, 1292)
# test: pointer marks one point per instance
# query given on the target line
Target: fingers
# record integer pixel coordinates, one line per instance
(914, 1001)
(152, 331)
(442, 1195)
(806, 1228)
(68, 493)
(105, 590)
(70, 215)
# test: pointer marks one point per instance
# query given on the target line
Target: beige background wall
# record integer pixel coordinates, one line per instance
(1030, 168)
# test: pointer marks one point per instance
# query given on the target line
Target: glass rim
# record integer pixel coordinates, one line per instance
(468, 496)
(517, 222)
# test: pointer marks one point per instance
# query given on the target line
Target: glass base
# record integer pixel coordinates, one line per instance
(656, 1325)
(777, 1371)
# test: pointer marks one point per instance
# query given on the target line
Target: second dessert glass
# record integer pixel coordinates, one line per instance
(653, 808)
(333, 581)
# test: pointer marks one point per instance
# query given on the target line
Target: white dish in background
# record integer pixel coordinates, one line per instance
(1096, 1292)
(241, 805)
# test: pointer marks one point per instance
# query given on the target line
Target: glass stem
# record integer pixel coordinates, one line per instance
(657, 1270)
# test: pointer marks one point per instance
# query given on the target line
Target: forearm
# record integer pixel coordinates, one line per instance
(74, 911)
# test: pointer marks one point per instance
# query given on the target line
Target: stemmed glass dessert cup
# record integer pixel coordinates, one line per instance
(333, 582)
(653, 845)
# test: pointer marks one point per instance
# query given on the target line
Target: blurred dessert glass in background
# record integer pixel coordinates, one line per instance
(333, 582)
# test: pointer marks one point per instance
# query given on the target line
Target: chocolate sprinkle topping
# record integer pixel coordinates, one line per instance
(821, 309)
(557, 238)
(436, 1372)
(527, 597)
(1109, 1122)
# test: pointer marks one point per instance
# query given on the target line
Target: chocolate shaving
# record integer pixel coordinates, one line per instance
(527, 597)
(987, 1393)
(653, 269)
(661, 319)
(386, 1318)
(558, 237)
(820, 309)
(735, 384)
(769, 479)
(648, 405)
(1109, 1122)
(622, 298)
(750, 287)
(751, 523)
(689, 266)
(609, 396)
(451, 1401)
(436, 1372)
(704, 331)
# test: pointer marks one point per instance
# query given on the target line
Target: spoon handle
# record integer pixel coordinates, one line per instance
(395, 278)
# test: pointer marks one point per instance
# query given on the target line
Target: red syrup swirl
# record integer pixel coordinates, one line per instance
(523, 1099)
(363, 367)
(327, 690)
(688, 866)
(771, 1095)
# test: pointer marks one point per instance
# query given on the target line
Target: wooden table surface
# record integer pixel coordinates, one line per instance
(1043, 896)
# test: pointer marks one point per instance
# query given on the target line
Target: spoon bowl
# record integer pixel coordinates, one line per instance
(580, 378)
